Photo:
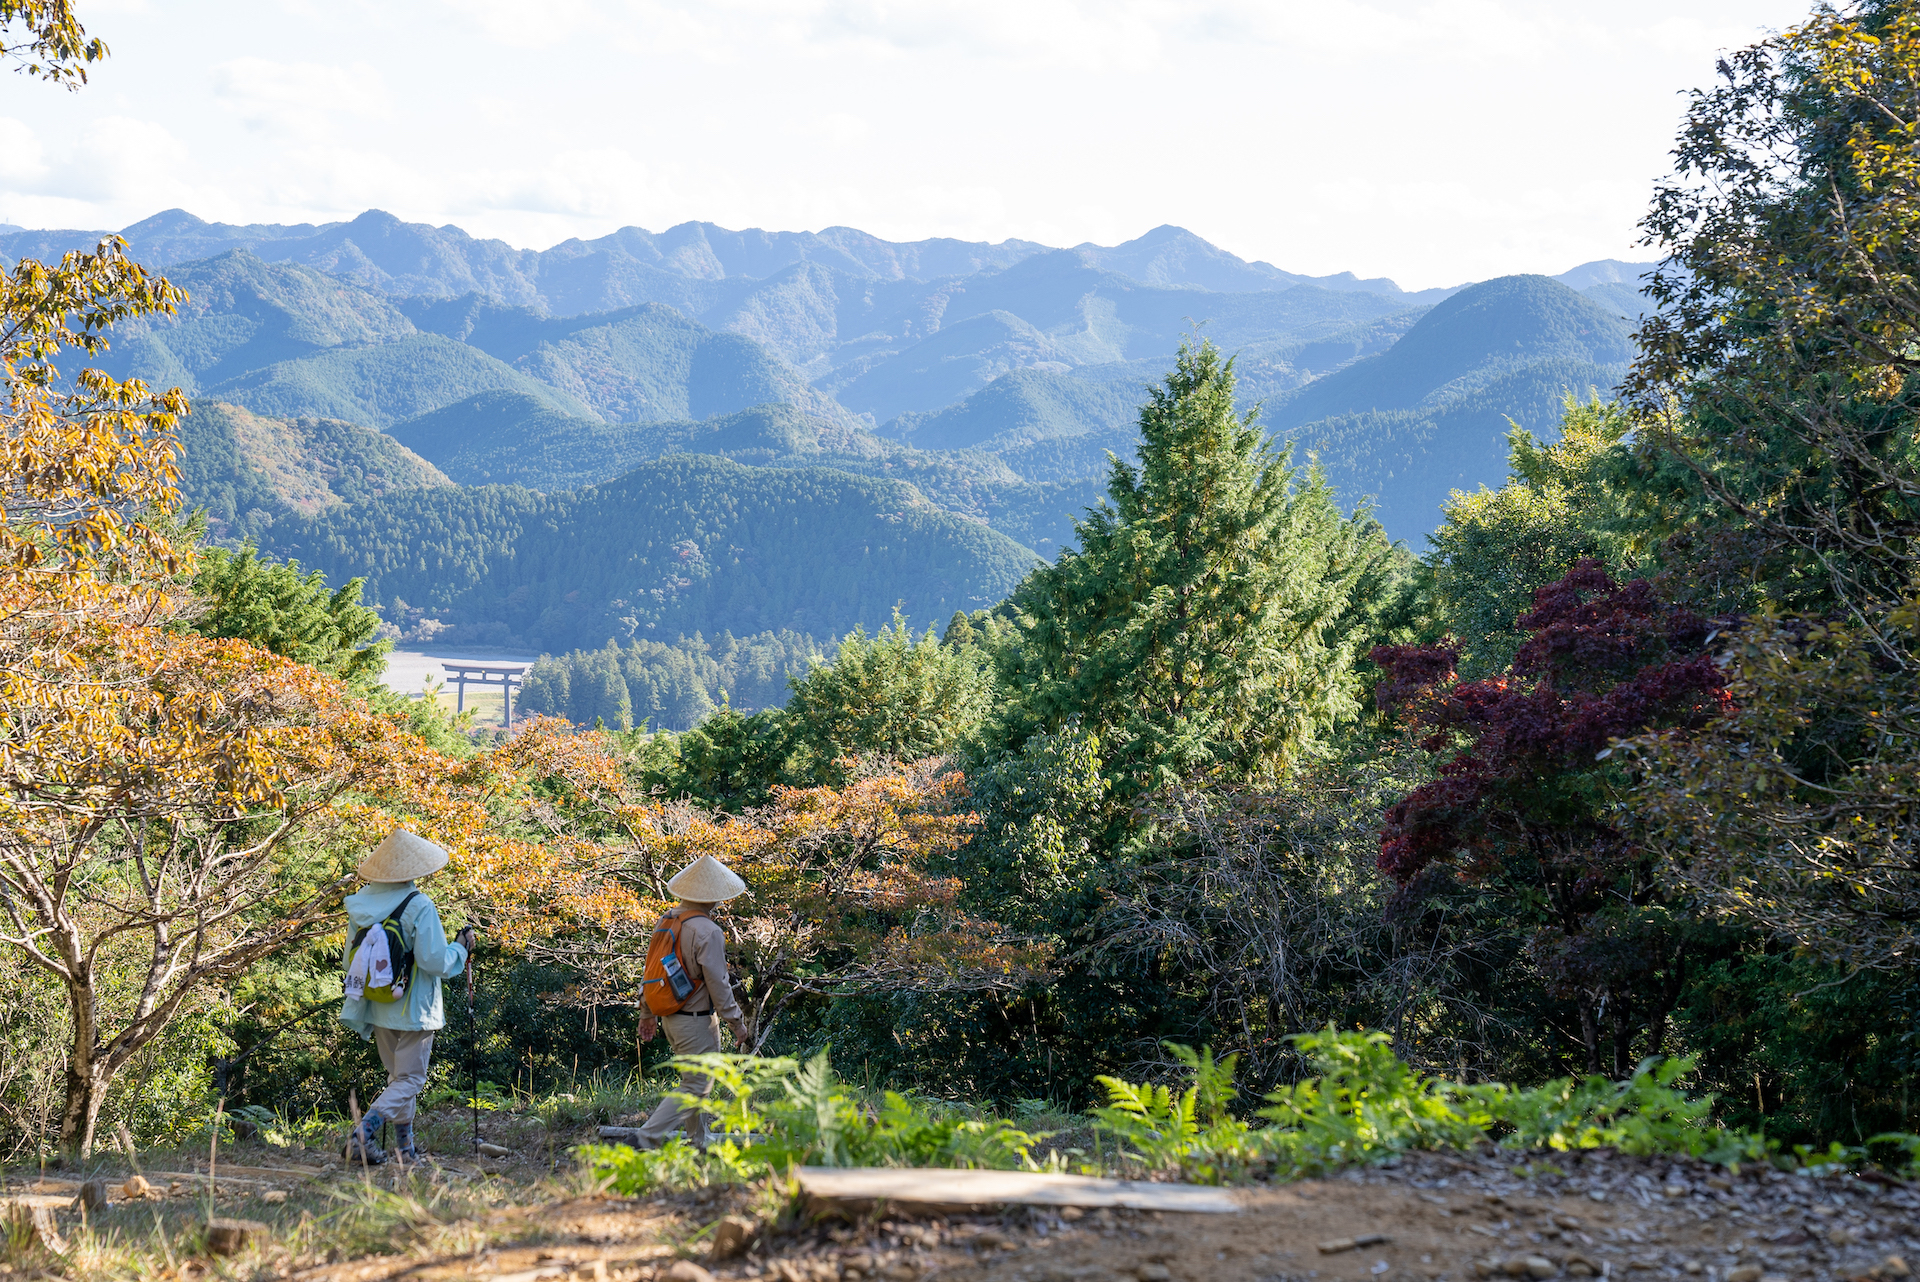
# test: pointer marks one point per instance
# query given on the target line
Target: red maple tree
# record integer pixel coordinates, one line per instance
(1525, 802)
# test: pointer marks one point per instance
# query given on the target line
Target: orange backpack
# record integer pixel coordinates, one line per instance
(665, 982)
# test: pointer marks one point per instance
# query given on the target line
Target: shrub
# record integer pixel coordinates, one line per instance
(773, 1113)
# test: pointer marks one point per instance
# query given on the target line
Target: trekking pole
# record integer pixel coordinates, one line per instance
(473, 1053)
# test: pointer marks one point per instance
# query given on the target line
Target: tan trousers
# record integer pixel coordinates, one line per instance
(687, 1035)
(404, 1053)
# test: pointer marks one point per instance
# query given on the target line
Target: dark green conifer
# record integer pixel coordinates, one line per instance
(1203, 629)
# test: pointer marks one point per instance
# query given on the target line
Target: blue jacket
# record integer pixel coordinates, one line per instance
(434, 959)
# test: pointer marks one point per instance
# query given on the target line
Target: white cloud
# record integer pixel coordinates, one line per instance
(600, 183)
(21, 161)
(519, 25)
(296, 98)
(121, 158)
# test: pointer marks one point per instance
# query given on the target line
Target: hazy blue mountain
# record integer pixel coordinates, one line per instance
(960, 359)
(687, 544)
(633, 265)
(1063, 458)
(1605, 271)
(1174, 256)
(1097, 316)
(381, 252)
(656, 365)
(243, 314)
(375, 250)
(1623, 300)
(292, 342)
(1019, 408)
(1467, 340)
(1053, 312)
(1430, 414)
(710, 252)
(821, 317)
(645, 363)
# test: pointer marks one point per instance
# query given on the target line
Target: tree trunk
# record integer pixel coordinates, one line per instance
(1589, 1033)
(89, 1072)
(86, 1091)
(1623, 1031)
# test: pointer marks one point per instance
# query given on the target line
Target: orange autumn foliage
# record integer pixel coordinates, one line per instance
(844, 893)
(174, 808)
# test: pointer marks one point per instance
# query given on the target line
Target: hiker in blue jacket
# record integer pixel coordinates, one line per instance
(401, 1029)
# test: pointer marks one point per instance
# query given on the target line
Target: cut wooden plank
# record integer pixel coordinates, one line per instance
(198, 1179)
(42, 1201)
(631, 1135)
(859, 1187)
(269, 1171)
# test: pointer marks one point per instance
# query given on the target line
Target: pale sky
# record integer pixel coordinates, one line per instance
(1435, 143)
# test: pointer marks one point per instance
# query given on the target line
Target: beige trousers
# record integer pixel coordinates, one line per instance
(404, 1053)
(687, 1035)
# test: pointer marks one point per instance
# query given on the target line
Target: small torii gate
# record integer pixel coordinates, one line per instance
(484, 674)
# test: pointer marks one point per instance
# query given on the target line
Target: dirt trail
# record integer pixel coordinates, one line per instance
(1442, 1218)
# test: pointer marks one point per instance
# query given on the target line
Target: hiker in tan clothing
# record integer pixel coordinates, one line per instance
(695, 1030)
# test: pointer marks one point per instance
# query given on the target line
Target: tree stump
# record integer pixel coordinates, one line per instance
(225, 1237)
(33, 1226)
(731, 1236)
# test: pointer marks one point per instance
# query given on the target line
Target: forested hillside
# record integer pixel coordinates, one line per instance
(688, 544)
(645, 363)
(507, 438)
(292, 342)
(248, 470)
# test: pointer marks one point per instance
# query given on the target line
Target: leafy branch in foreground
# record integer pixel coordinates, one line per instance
(52, 44)
(1795, 811)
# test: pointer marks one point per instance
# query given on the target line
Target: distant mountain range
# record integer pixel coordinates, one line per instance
(628, 266)
(991, 379)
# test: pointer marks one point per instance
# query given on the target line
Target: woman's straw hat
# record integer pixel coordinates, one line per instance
(706, 881)
(402, 857)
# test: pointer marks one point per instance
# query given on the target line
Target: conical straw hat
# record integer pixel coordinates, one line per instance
(402, 857)
(706, 881)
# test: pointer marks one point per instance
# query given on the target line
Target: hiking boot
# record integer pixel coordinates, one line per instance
(360, 1146)
(403, 1147)
(374, 1155)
